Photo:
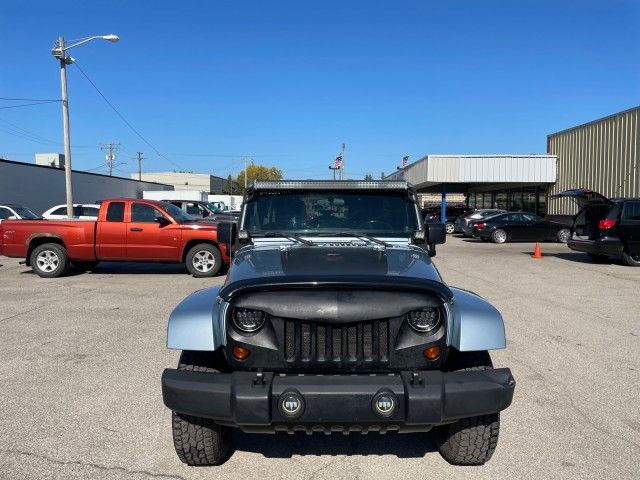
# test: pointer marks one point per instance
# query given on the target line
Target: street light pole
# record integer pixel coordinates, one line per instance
(60, 52)
(65, 123)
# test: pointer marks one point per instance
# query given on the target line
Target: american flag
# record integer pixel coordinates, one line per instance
(405, 161)
(338, 163)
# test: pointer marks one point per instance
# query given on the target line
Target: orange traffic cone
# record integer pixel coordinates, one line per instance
(537, 253)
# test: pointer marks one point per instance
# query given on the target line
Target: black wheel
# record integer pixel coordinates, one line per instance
(49, 260)
(631, 259)
(199, 441)
(84, 266)
(499, 236)
(204, 260)
(469, 441)
(563, 235)
(449, 227)
(598, 257)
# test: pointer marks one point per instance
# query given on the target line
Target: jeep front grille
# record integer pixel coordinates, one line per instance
(334, 343)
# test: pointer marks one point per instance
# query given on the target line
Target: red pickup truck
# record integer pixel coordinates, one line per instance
(126, 230)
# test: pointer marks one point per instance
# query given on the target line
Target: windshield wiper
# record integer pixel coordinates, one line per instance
(371, 238)
(290, 236)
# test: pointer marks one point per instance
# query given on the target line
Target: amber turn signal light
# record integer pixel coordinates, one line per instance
(240, 353)
(431, 353)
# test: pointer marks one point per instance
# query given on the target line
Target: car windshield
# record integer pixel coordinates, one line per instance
(25, 213)
(380, 213)
(175, 212)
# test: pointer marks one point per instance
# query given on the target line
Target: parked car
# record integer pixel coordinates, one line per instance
(126, 230)
(605, 227)
(13, 211)
(432, 214)
(204, 210)
(519, 226)
(333, 318)
(80, 211)
(463, 222)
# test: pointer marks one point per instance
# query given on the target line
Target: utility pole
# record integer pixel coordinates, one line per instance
(140, 158)
(246, 159)
(65, 122)
(111, 156)
(342, 166)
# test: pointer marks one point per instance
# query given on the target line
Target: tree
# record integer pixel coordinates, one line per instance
(258, 172)
(231, 187)
(368, 177)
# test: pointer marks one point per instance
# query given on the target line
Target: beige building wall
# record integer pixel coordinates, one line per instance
(199, 182)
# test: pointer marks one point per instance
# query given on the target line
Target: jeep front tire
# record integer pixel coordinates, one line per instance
(199, 441)
(469, 441)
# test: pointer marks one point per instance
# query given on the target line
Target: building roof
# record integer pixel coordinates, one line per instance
(594, 121)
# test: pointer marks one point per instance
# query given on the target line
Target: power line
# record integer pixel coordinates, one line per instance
(160, 154)
(29, 99)
(28, 104)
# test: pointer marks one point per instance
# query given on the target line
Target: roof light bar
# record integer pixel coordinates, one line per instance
(328, 185)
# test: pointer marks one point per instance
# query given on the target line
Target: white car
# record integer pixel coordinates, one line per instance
(13, 211)
(80, 211)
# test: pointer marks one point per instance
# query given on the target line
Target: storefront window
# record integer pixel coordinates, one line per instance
(529, 201)
(515, 200)
(501, 200)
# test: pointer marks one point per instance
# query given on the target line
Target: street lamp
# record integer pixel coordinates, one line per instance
(60, 52)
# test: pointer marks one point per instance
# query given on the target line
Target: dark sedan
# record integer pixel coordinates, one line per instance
(519, 226)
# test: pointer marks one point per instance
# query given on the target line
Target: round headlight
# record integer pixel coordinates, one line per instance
(424, 320)
(247, 320)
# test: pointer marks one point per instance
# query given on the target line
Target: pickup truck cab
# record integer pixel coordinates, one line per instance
(126, 230)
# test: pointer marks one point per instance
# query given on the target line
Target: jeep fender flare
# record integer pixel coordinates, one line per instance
(197, 323)
(474, 324)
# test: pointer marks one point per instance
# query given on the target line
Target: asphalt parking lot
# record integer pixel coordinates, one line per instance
(81, 359)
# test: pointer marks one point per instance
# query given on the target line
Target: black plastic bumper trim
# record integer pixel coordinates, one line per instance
(235, 399)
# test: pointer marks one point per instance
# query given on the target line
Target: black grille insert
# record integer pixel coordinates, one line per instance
(348, 343)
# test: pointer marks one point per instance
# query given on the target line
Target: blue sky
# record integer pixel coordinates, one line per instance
(207, 82)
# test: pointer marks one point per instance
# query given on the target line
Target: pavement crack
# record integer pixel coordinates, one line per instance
(19, 314)
(90, 464)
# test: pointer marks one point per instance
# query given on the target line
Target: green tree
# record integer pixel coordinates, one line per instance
(231, 187)
(368, 177)
(258, 172)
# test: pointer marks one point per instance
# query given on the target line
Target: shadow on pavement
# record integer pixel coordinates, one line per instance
(283, 445)
(579, 258)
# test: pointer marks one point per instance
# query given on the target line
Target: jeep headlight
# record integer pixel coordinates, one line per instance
(247, 320)
(424, 320)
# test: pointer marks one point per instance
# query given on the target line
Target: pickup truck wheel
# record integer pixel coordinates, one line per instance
(84, 266)
(469, 441)
(631, 259)
(49, 260)
(204, 260)
(199, 441)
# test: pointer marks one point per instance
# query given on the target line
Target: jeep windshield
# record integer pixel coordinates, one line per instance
(388, 214)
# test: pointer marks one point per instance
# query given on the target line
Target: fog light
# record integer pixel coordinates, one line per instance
(240, 353)
(385, 404)
(291, 404)
(431, 353)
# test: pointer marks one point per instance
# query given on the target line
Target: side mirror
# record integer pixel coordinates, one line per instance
(162, 221)
(435, 235)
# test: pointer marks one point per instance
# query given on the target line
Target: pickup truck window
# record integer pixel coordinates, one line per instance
(144, 213)
(115, 212)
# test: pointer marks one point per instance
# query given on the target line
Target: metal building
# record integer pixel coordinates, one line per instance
(602, 155)
(40, 187)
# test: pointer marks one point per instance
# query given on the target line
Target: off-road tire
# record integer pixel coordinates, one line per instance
(629, 259)
(56, 251)
(469, 441)
(496, 238)
(199, 441)
(84, 266)
(202, 249)
(449, 227)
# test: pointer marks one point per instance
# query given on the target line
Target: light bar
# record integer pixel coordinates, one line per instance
(329, 185)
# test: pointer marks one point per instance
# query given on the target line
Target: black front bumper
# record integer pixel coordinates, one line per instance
(337, 402)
